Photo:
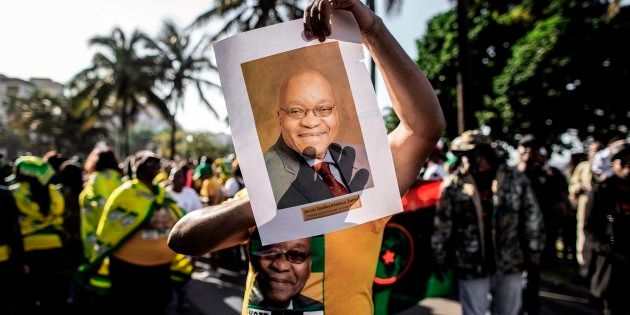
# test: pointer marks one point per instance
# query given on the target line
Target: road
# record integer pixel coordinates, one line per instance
(222, 294)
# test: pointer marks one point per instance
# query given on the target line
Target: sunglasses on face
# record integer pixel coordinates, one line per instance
(293, 256)
(301, 112)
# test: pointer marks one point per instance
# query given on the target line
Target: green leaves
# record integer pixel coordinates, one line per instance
(541, 67)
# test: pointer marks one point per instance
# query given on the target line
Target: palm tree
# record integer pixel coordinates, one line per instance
(181, 65)
(42, 121)
(244, 15)
(120, 80)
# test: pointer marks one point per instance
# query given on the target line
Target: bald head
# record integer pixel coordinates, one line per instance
(300, 80)
(308, 92)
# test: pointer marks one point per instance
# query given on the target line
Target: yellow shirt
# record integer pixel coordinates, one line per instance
(210, 191)
(139, 250)
(345, 282)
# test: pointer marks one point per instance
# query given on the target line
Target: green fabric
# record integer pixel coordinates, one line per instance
(33, 166)
(317, 252)
(203, 169)
(437, 288)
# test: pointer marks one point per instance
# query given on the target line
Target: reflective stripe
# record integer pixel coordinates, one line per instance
(5, 252)
(42, 241)
(182, 264)
(100, 282)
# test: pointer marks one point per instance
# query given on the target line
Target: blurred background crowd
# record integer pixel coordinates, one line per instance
(541, 221)
(534, 219)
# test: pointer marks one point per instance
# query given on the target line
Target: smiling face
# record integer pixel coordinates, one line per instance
(311, 135)
(281, 279)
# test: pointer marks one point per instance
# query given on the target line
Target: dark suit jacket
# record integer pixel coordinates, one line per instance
(295, 183)
(300, 302)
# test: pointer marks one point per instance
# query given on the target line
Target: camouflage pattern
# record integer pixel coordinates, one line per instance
(458, 227)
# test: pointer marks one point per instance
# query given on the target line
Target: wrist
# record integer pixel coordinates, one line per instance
(366, 18)
(371, 28)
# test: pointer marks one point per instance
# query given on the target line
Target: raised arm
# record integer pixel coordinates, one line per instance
(413, 98)
(415, 103)
(212, 228)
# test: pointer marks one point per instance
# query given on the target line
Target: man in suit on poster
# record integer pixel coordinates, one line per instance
(306, 164)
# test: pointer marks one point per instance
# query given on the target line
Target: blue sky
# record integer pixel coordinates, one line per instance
(49, 38)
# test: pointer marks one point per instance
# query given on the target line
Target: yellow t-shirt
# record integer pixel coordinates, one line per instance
(210, 191)
(148, 246)
(343, 265)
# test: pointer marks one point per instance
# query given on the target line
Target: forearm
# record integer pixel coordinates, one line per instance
(212, 228)
(413, 98)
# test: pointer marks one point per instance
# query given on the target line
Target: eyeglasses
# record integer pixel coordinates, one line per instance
(300, 112)
(293, 256)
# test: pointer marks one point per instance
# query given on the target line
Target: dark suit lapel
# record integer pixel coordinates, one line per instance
(290, 159)
(310, 186)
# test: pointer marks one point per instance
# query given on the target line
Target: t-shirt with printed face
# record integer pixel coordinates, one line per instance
(339, 279)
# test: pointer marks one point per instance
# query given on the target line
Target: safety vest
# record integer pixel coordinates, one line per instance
(127, 209)
(39, 231)
(5, 253)
(92, 201)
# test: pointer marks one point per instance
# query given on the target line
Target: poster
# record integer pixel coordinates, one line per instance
(307, 130)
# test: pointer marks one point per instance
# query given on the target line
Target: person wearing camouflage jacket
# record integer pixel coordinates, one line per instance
(487, 226)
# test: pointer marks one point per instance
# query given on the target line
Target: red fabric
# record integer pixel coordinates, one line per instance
(335, 187)
(423, 195)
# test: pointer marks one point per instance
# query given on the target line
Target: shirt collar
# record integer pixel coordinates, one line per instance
(312, 161)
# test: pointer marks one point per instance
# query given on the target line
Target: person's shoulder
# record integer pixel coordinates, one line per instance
(191, 191)
(271, 153)
(275, 159)
(126, 189)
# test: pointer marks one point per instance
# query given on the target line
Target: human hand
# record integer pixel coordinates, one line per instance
(346, 165)
(317, 17)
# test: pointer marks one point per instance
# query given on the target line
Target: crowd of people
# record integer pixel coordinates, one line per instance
(91, 237)
(110, 237)
(496, 223)
(75, 236)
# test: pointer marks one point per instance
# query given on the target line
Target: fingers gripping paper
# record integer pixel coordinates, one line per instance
(308, 132)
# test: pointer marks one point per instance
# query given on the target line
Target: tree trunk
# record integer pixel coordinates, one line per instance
(465, 110)
(173, 134)
(124, 132)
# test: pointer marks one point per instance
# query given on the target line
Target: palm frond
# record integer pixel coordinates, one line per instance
(220, 10)
(205, 101)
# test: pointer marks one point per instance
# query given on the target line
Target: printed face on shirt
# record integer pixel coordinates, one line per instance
(307, 115)
(283, 270)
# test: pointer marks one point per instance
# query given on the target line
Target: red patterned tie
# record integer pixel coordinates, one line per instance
(335, 187)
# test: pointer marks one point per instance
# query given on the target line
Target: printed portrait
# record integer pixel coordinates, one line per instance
(307, 125)
(287, 276)
(307, 130)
